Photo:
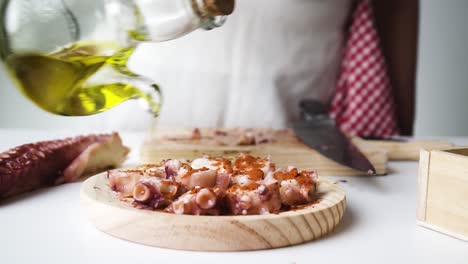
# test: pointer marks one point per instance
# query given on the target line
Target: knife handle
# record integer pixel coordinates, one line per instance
(313, 111)
(312, 107)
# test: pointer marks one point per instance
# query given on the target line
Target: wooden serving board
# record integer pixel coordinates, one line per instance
(211, 233)
(285, 151)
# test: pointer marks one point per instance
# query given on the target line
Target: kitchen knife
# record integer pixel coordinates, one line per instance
(318, 130)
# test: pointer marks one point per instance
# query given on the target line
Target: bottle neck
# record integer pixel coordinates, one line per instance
(161, 20)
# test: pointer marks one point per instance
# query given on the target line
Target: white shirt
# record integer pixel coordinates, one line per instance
(253, 71)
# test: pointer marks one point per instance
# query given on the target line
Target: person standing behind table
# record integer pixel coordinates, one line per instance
(253, 71)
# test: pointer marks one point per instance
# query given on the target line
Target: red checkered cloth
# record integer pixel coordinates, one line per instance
(363, 104)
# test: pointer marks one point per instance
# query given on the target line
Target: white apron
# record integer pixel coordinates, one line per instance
(251, 72)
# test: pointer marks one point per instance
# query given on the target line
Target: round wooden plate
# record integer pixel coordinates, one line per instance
(211, 233)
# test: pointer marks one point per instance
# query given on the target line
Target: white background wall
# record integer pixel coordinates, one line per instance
(442, 108)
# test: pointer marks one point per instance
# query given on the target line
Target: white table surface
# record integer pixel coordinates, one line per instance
(379, 225)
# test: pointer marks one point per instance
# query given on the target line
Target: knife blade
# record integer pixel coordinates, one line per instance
(318, 131)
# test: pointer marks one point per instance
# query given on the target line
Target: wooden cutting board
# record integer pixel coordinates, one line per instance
(211, 233)
(287, 150)
(403, 150)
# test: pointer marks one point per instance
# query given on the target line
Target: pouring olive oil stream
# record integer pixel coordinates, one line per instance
(82, 69)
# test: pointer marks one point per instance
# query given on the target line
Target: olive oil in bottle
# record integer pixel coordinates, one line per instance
(70, 56)
(82, 79)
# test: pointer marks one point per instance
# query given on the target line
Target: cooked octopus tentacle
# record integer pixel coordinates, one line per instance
(205, 173)
(296, 187)
(143, 192)
(203, 179)
(32, 166)
(253, 199)
(123, 182)
(223, 180)
(213, 186)
(206, 201)
(171, 167)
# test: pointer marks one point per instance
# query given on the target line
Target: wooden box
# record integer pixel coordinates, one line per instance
(443, 191)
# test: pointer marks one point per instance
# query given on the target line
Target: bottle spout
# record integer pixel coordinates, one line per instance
(213, 13)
